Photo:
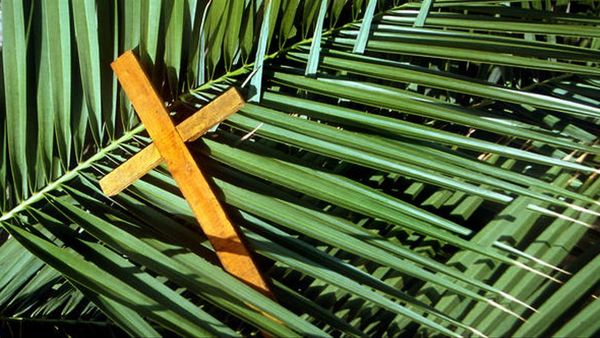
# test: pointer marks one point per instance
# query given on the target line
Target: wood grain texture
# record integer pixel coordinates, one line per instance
(222, 234)
(190, 129)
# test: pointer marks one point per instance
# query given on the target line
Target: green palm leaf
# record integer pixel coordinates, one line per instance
(403, 168)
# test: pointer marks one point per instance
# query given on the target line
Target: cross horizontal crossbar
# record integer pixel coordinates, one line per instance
(190, 129)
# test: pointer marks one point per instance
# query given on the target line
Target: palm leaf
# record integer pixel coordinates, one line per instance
(435, 172)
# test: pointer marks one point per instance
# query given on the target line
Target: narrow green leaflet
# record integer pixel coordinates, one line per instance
(380, 96)
(108, 38)
(566, 296)
(216, 25)
(382, 124)
(339, 191)
(395, 151)
(365, 28)
(231, 43)
(298, 302)
(20, 266)
(333, 263)
(351, 238)
(359, 156)
(357, 8)
(175, 25)
(247, 31)
(314, 269)
(86, 34)
(97, 279)
(127, 318)
(4, 198)
(477, 41)
(188, 250)
(131, 34)
(423, 12)
(584, 324)
(14, 51)
(412, 74)
(264, 206)
(494, 24)
(149, 32)
(197, 66)
(35, 290)
(287, 30)
(309, 12)
(441, 160)
(199, 275)
(400, 168)
(54, 101)
(273, 15)
(516, 12)
(315, 47)
(475, 54)
(255, 91)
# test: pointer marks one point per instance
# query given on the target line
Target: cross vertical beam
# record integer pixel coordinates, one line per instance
(221, 233)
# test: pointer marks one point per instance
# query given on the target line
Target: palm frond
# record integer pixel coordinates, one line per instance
(400, 168)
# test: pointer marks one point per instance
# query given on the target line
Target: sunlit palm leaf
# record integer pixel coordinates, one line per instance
(432, 175)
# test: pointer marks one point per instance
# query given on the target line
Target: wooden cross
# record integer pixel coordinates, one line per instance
(169, 146)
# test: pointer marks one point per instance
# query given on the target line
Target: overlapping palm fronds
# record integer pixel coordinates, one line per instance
(399, 169)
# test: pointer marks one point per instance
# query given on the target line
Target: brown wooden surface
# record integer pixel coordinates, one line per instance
(232, 252)
(189, 130)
